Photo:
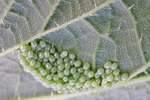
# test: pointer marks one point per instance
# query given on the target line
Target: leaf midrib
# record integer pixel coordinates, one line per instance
(136, 80)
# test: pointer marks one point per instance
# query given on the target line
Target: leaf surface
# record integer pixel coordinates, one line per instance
(95, 30)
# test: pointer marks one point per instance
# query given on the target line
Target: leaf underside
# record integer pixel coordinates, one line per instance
(95, 30)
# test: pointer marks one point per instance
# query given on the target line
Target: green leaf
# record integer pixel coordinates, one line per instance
(95, 30)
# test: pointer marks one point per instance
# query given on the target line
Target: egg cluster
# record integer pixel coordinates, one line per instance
(110, 74)
(62, 71)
